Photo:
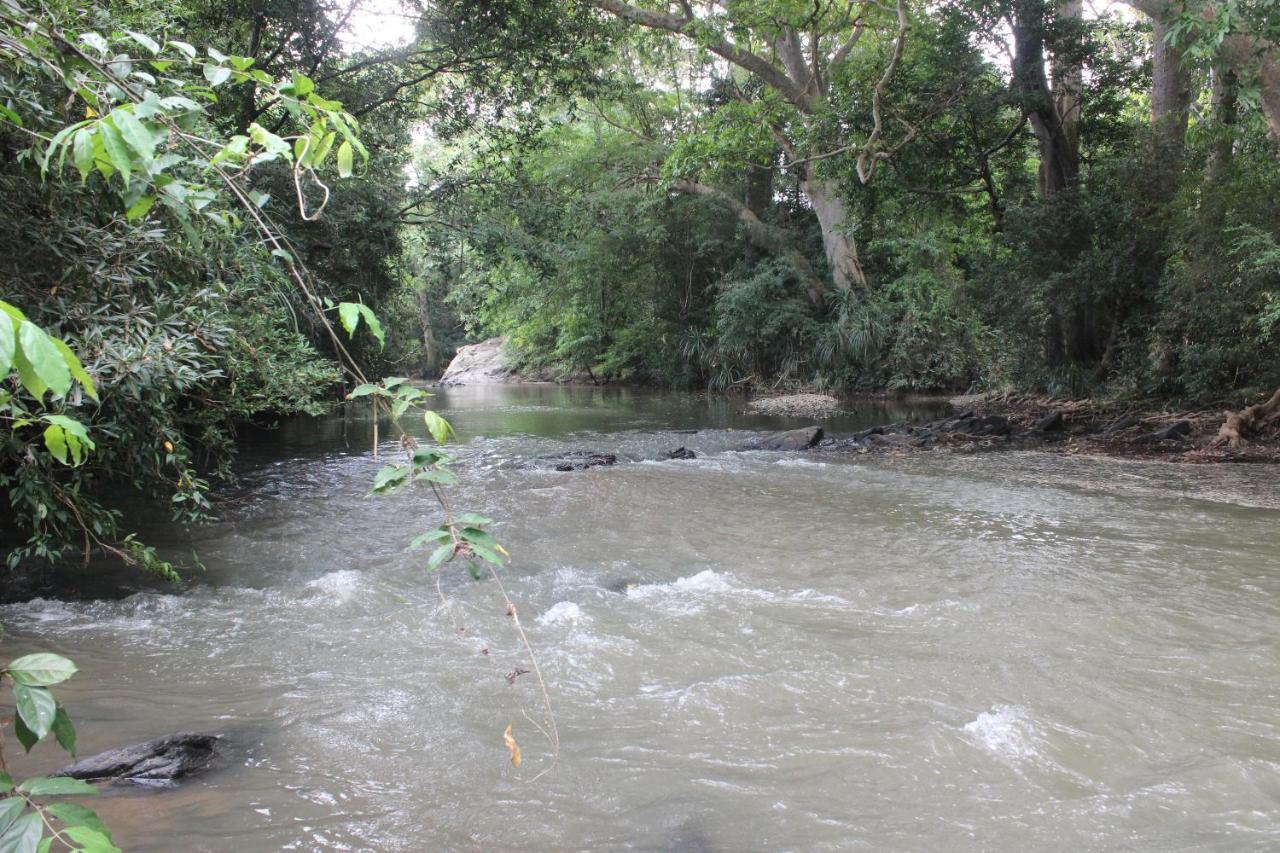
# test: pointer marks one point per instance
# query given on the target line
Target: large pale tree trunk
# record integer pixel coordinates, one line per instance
(833, 218)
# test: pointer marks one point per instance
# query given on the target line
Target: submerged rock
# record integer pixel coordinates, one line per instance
(794, 439)
(162, 761)
(680, 453)
(579, 460)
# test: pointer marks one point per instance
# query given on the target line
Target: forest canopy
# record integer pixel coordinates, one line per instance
(851, 196)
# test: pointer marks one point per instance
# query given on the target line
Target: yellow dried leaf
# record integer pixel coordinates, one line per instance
(510, 741)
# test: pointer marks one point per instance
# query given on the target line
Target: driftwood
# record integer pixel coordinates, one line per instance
(1238, 426)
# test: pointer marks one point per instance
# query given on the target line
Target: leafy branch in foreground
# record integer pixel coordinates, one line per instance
(27, 822)
(462, 536)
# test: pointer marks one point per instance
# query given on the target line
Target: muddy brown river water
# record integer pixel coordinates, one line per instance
(746, 651)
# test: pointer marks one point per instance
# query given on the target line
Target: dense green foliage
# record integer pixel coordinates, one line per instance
(616, 240)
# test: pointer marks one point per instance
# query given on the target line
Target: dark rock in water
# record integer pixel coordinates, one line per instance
(1051, 422)
(681, 453)
(1124, 422)
(157, 762)
(1173, 432)
(795, 439)
(623, 586)
(579, 460)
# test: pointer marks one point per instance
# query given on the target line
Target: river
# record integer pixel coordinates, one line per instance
(746, 651)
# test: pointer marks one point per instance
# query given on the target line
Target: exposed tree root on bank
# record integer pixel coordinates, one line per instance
(1248, 423)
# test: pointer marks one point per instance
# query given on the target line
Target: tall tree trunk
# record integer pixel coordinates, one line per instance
(833, 218)
(1214, 197)
(1068, 86)
(429, 359)
(1170, 110)
(1059, 154)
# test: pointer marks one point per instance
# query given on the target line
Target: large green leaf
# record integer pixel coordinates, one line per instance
(116, 148)
(56, 786)
(44, 358)
(41, 669)
(78, 373)
(390, 478)
(23, 835)
(10, 808)
(135, 134)
(36, 707)
(90, 840)
(374, 325)
(74, 814)
(440, 429)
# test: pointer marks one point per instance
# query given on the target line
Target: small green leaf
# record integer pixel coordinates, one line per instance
(95, 41)
(36, 708)
(471, 519)
(42, 669)
(146, 41)
(140, 208)
(349, 314)
(433, 475)
(82, 153)
(440, 429)
(439, 556)
(25, 736)
(425, 457)
(476, 536)
(185, 49)
(426, 539)
(56, 786)
(390, 478)
(64, 731)
(365, 390)
(216, 74)
(6, 783)
(487, 554)
(344, 160)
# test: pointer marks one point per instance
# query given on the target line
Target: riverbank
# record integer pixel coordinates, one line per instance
(1033, 422)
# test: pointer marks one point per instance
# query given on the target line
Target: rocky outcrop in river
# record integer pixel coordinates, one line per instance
(157, 762)
(479, 364)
